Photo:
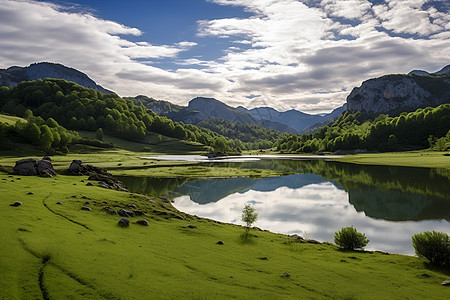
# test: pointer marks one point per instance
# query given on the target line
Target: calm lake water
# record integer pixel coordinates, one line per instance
(388, 204)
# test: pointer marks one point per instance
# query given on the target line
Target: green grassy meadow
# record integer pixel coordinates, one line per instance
(423, 159)
(11, 120)
(51, 251)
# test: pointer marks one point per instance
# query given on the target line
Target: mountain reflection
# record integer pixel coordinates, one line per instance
(389, 204)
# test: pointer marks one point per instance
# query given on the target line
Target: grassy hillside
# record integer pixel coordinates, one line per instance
(10, 120)
(52, 251)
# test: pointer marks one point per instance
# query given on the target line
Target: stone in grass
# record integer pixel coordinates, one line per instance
(124, 222)
(446, 283)
(59, 202)
(86, 208)
(219, 243)
(126, 213)
(30, 193)
(286, 275)
(143, 222)
(17, 203)
(192, 226)
(89, 184)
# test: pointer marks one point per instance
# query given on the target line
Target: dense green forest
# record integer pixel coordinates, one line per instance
(245, 132)
(47, 134)
(428, 127)
(79, 108)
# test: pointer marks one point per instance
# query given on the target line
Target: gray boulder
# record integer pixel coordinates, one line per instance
(17, 203)
(32, 167)
(143, 222)
(45, 168)
(124, 222)
(126, 213)
(26, 167)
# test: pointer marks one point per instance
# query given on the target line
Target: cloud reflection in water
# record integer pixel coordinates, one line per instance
(315, 211)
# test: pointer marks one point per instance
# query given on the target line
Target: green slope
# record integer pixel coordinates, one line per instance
(51, 251)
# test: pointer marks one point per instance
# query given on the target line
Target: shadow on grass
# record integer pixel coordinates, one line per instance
(439, 269)
(247, 238)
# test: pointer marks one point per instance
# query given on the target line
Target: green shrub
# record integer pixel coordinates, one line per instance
(348, 238)
(434, 246)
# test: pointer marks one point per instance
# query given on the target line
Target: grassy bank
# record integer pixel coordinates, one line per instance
(58, 251)
(424, 159)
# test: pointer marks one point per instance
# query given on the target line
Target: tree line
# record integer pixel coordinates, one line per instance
(423, 128)
(79, 108)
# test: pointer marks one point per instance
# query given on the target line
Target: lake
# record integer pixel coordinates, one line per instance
(388, 204)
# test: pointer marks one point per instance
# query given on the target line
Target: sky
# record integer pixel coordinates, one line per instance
(287, 54)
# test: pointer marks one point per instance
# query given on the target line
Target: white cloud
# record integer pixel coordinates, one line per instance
(408, 16)
(349, 9)
(290, 52)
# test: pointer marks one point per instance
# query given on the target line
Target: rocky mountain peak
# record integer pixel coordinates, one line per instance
(13, 75)
(394, 94)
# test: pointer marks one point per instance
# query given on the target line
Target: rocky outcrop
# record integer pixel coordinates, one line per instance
(13, 75)
(32, 167)
(394, 94)
(106, 180)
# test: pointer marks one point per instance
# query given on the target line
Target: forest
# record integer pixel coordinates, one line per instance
(79, 108)
(423, 128)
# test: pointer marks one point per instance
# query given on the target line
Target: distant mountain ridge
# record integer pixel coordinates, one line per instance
(394, 94)
(293, 118)
(442, 71)
(14, 75)
(201, 109)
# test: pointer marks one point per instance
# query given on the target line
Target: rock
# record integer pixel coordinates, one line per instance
(59, 202)
(26, 167)
(17, 203)
(397, 93)
(75, 166)
(30, 193)
(132, 205)
(86, 208)
(151, 201)
(446, 283)
(143, 222)
(45, 168)
(74, 196)
(89, 184)
(110, 211)
(32, 167)
(46, 173)
(286, 275)
(219, 243)
(138, 213)
(47, 158)
(125, 213)
(108, 181)
(192, 226)
(124, 222)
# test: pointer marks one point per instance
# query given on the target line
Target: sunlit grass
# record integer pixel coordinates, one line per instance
(169, 260)
(424, 158)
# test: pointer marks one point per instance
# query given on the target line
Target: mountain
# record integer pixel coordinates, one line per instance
(442, 71)
(394, 94)
(203, 109)
(13, 75)
(293, 118)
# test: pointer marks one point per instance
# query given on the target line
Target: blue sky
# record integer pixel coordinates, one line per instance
(286, 54)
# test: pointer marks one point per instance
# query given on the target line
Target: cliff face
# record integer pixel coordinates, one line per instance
(394, 94)
(13, 75)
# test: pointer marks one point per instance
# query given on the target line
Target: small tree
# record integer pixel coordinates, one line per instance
(434, 246)
(348, 238)
(249, 216)
(99, 134)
